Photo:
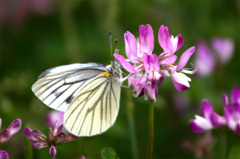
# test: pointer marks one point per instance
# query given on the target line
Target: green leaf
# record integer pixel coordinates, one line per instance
(109, 153)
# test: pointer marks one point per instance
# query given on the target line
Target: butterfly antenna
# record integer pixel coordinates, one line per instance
(110, 38)
(115, 44)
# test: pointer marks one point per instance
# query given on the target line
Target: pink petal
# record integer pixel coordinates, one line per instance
(29, 135)
(204, 59)
(126, 65)
(229, 117)
(39, 135)
(15, 126)
(146, 39)
(237, 129)
(224, 48)
(195, 127)
(70, 138)
(151, 63)
(53, 117)
(177, 42)
(217, 120)
(170, 60)
(164, 39)
(207, 109)
(200, 124)
(130, 46)
(82, 157)
(185, 57)
(151, 92)
(0, 123)
(39, 145)
(236, 97)
(5, 136)
(225, 99)
(180, 81)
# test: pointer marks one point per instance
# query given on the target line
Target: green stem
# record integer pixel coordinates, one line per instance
(132, 132)
(29, 149)
(229, 143)
(151, 129)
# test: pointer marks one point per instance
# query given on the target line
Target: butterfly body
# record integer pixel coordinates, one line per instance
(89, 94)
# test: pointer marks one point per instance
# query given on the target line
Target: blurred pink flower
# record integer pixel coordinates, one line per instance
(202, 147)
(53, 117)
(232, 112)
(56, 137)
(205, 59)
(209, 120)
(148, 68)
(224, 47)
(12, 129)
(212, 120)
(6, 134)
(15, 12)
(3, 154)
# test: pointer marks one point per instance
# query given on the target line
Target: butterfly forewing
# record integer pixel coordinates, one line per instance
(57, 86)
(94, 109)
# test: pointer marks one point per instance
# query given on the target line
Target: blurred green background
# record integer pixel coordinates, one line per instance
(36, 35)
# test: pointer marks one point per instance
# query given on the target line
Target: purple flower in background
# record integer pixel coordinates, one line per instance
(56, 137)
(12, 129)
(224, 47)
(53, 117)
(148, 68)
(232, 112)
(3, 154)
(212, 120)
(209, 120)
(6, 134)
(15, 12)
(202, 147)
(205, 59)
(82, 157)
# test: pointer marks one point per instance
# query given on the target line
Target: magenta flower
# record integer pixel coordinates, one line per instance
(6, 134)
(56, 137)
(53, 117)
(232, 112)
(12, 129)
(209, 120)
(148, 68)
(224, 48)
(3, 154)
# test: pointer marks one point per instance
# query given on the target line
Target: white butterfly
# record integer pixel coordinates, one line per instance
(89, 94)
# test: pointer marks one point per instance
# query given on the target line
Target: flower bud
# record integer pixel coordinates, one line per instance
(52, 151)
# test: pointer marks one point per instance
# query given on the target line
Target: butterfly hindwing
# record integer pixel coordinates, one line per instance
(94, 109)
(56, 87)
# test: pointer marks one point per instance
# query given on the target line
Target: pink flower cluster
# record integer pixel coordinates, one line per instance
(212, 120)
(205, 59)
(6, 134)
(56, 137)
(148, 68)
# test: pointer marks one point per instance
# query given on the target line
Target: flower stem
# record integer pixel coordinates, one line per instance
(229, 144)
(151, 129)
(29, 151)
(132, 131)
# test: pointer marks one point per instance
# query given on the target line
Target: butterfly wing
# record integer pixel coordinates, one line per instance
(56, 87)
(94, 109)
